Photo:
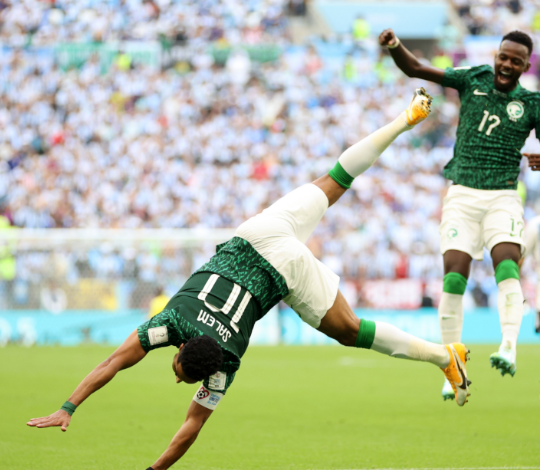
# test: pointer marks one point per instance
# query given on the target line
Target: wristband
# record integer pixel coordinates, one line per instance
(69, 408)
(149, 468)
(393, 46)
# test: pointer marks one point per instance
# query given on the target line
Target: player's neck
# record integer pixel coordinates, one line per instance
(508, 90)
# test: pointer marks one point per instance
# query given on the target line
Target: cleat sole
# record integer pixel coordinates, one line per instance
(503, 365)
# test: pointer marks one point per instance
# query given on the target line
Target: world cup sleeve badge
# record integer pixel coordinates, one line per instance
(515, 110)
(217, 381)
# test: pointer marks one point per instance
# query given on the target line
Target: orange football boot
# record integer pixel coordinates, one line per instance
(419, 108)
(456, 372)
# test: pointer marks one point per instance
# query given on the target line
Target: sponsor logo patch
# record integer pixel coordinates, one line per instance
(217, 381)
(214, 399)
(515, 110)
(207, 398)
(158, 335)
(202, 393)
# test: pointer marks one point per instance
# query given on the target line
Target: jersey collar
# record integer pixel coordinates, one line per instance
(510, 94)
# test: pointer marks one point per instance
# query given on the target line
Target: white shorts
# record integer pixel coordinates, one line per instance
(476, 218)
(279, 235)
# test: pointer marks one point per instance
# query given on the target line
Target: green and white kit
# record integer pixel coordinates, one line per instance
(267, 261)
(483, 208)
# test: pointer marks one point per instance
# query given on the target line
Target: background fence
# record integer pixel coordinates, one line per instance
(73, 286)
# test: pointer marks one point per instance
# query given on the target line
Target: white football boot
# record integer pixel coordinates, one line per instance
(504, 360)
(447, 391)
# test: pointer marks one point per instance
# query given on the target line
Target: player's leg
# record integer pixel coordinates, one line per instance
(502, 231)
(457, 266)
(358, 158)
(510, 299)
(343, 325)
(461, 241)
(298, 213)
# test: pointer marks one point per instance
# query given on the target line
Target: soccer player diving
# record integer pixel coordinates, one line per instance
(483, 208)
(211, 318)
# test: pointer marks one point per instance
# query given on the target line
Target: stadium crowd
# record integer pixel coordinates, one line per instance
(205, 145)
(48, 22)
(496, 17)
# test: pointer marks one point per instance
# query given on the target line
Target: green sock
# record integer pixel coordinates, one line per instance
(340, 176)
(366, 334)
(454, 283)
(506, 269)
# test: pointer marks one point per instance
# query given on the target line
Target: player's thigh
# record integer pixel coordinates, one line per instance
(313, 287)
(296, 214)
(503, 223)
(461, 228)
(340, 322)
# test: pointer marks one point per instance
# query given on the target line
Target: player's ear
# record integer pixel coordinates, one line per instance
(181, 347)
(527, 67)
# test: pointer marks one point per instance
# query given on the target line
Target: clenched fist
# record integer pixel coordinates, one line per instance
(387, 38)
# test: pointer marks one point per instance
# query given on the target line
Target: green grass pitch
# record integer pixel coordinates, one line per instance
(289, 408)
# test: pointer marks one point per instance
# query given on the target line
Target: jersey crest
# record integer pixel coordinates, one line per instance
(515, 110)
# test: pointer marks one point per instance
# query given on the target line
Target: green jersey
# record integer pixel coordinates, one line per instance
(223, 300)
(493, 127)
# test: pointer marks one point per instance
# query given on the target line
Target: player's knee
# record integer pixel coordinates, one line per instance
(506, 269)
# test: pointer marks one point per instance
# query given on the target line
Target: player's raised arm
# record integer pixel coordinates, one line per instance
(127, 355)
(197, 415)
(406, 61)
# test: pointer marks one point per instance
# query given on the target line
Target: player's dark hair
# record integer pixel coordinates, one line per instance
(200, 357)
(521, 38)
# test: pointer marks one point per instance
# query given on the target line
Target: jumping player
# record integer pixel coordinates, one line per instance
(211, 318)
(482, 208)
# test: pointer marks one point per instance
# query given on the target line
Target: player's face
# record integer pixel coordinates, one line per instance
(511, 61)
(178, 372)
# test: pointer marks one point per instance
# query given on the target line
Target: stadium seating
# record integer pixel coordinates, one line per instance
(197, 144)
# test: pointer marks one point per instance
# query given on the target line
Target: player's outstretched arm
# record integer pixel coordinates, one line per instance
(407, 62)
(534, 161)
(127, 355)
(197, 415)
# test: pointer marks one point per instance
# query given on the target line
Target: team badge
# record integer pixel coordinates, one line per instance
(452, 233)
(515, 110)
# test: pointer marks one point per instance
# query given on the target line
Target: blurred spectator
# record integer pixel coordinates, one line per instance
(497, 17)
(442, 60)
(360, 29)
(158, 303)
(297, 7)
(8, 266)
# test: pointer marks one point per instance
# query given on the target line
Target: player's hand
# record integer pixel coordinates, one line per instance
(534, 161)
(387, 37)
(60, 418)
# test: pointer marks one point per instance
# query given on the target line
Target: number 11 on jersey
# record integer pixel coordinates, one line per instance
(230, 301)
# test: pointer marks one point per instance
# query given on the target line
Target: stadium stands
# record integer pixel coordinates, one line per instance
(496, 17)
(201, 145)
